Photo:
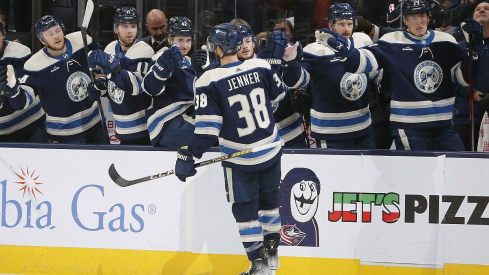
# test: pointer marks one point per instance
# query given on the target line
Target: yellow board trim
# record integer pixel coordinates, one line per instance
(65, 261)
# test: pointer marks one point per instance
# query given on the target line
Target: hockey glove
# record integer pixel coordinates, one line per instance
(167, 62)
(94, 91)
(8, 82)
(301, 102)
(484, 103)
(293, 54)
(184, 167)
(273, 50)
(107, 62)
(337, 42)
(200, 62)
(472, 27)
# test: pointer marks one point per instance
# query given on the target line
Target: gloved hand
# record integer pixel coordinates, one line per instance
(273, 50)
(167, 62)
(301, 102)
(184, 167)
(337, 42)
(107, 62)
(94, 90)
(472, 27)
(200, 62)
(293, 54)
(484, 103)
(9, 83)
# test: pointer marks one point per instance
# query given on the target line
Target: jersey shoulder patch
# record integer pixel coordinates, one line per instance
(76, 40)
(39, 61)
(318, 49)
(361, 40)
(140, 50)
(16, 50)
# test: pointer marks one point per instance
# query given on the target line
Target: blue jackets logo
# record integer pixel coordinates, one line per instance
(77, 85)
(428, 76)
(353, 86)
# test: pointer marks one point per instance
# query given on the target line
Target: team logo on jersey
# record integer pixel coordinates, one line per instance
(116, 94)
(77, 85)
(353, 86)
(428, 76)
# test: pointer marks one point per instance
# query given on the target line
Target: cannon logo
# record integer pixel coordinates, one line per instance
(26, 214)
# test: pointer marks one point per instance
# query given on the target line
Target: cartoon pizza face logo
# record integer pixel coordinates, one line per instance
(428, 76)
(304, 200)
(353, 86)
(116, 94)
(77, 85)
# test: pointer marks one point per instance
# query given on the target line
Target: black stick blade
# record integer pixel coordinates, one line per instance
(116, 177)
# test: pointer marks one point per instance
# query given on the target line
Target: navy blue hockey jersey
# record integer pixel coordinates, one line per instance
(127, 99)
(171, 98)
(234, 102)
(422, 71)
(20, 111)
(63, 82)
(340, 107)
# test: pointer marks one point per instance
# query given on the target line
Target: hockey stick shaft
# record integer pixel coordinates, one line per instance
(86, 20)
(114, 175)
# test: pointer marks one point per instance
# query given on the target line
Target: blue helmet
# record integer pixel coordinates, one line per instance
(341, 11)
(416, 7)
(247, 32)
(46, 22)
(126, 15)
(227, 36)
(180, 25)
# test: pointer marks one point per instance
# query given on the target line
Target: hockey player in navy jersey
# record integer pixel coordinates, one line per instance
(60, 71)
(170, 83)
(125, 61)
(340, 116)
(233, 104)
(422, 64)
(290, 124)
(22, 118)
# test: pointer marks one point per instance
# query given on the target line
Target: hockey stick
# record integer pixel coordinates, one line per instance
(84, 27)
(114, 175)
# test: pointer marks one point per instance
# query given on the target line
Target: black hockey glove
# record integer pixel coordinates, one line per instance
(9, 84)
(94, 91)
(273, 50)
(184, 167)
(301, 102)
(107, 62)
(484, 103)
(200, 62)
(167, 62)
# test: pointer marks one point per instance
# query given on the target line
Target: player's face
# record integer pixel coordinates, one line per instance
(481, 13)
(417, 24)
(54, 38)
(343, 27)
(157, 28)
(246, 52)
(183, 42)
(127, 33)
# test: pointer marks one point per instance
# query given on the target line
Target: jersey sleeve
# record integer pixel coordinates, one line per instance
(208, 120)
(130, 80)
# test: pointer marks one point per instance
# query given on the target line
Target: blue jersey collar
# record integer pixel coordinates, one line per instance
(66, 55)
(424, 40)
(237, 63)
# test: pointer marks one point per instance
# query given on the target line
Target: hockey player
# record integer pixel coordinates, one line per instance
(289, 122)
(125, 61)
(233, 103)
(22, 119)
(60, 71)
(422, 64)
(170, 82)
(340, 116)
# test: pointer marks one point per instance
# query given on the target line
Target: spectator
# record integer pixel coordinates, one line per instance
(156, 24)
